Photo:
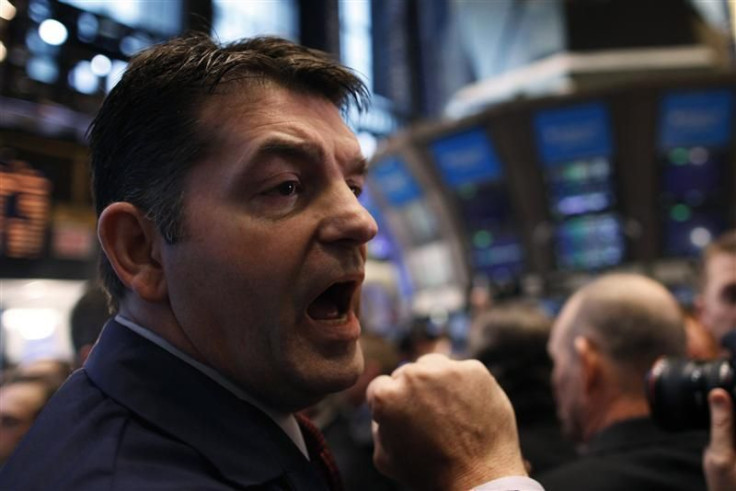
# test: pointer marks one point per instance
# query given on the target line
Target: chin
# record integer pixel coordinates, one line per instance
(334, 375)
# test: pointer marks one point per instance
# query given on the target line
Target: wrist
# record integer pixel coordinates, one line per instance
(484, 471)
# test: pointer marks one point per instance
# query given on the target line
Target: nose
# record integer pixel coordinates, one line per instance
(346, 220)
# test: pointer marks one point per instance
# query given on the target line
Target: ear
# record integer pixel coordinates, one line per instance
(133, 244)
(591, 364)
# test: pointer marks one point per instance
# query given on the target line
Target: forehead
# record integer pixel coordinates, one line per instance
(239, 116)
(20, 397)
(721, 268)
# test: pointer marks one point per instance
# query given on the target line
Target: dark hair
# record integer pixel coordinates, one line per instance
(510, 339)
(146, 135)
(87, 317)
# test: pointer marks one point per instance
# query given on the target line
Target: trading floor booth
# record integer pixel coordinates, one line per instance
(534, 197)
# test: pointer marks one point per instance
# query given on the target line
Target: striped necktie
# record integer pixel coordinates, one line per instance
(319, 453)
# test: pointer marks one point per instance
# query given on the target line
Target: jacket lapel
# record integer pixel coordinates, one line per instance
(239, 440)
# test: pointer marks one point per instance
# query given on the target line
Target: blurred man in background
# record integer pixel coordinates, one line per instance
(606, 338)
(719, 460)
(716, 303)
(20, 403)
(511, 340)
(88, 317)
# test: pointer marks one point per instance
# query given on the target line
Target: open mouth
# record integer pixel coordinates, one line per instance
(334, 303)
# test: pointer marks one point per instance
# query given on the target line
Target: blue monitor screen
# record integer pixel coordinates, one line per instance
(576, 150)
(590, 242)
(382, 245)
(694, 138)
(687, 231)
(392, 179)
(492, 231)
(469, 166)
(580, 186)
(700, 173)
(701, 118)
(573, 133)
(466, 158)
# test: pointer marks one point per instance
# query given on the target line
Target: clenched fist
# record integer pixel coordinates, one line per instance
(443, 424)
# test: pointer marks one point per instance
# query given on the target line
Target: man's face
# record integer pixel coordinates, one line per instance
(718, 299)
(266, 282)
(566, 374)
(19, 405)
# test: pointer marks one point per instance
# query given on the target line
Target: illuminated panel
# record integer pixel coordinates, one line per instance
(575, 149)
(392, 179)
(381, 246)
(470, 167)
(25, 201)
(694, 136)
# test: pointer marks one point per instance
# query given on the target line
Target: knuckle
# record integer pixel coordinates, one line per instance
(718, 462)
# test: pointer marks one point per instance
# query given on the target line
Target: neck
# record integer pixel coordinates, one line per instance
(614, 409)
(160, 320)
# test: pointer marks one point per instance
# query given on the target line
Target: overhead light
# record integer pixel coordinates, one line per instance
(43, 69)
(700, 237)
(101, 65)
(116, 72)
(7, 10)
(53, 32)
(3, 52)
(87, 27)
(31, 324)
(83, 79)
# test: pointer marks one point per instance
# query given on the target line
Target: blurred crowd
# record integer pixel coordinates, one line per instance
(577, 382)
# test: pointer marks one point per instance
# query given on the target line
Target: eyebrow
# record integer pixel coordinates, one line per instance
(301, 150)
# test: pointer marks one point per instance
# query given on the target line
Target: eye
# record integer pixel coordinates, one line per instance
(729, 294)
(287, 188)
(355, 187)
(284, 189)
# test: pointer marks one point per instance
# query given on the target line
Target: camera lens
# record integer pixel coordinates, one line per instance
(678, 391)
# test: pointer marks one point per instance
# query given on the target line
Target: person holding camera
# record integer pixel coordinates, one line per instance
(602, 344)
(719, 459)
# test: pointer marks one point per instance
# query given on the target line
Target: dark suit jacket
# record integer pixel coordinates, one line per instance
(138, 418)
(634, 455)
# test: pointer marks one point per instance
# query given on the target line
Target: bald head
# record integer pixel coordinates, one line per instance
(604, 341)
(631, 318)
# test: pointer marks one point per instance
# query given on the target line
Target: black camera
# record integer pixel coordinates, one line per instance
(678, 388)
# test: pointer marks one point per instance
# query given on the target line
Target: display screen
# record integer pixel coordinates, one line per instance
(393, 180)
(466, 158)
(694, 137)
(696, 118)
(575, 152)
(580, 186)
(382, 246)
(25, 201)
(589, 241)
(571, 133)
(470, 167)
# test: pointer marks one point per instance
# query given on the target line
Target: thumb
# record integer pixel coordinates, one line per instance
(721, 422)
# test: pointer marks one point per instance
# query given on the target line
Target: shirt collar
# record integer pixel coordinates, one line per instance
(285, 421)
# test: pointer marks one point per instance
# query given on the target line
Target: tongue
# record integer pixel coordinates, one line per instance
(323, 309)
